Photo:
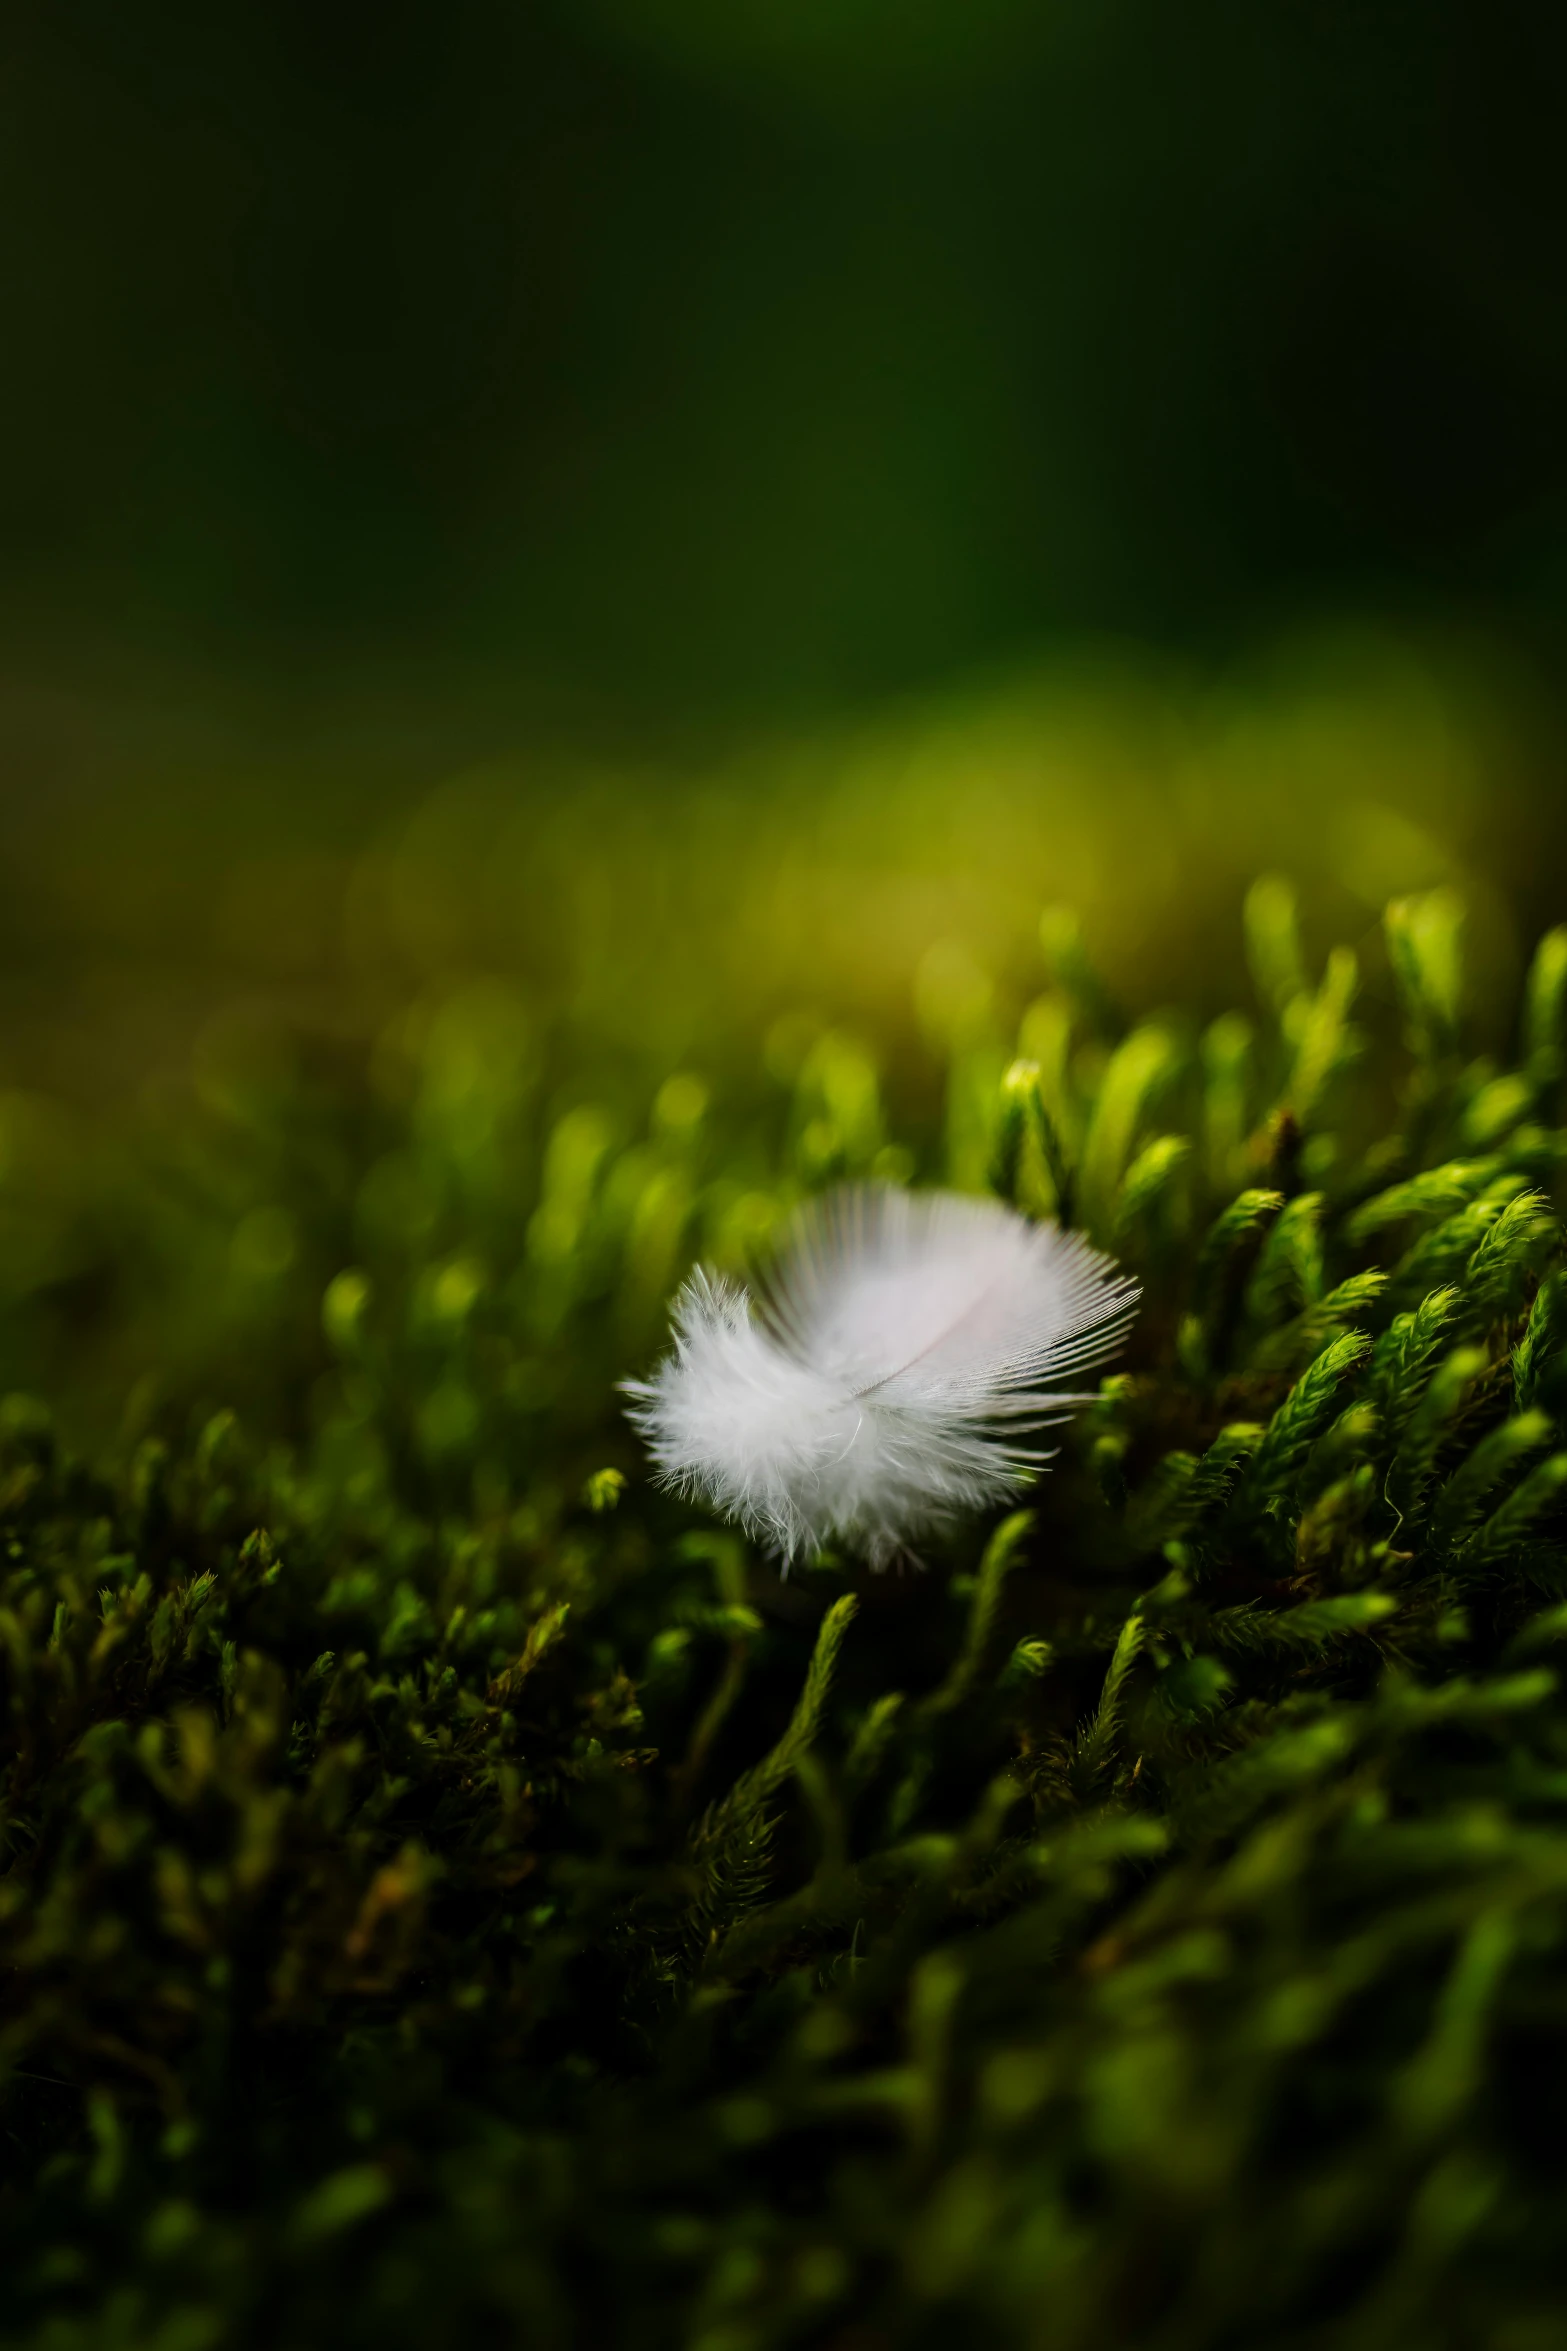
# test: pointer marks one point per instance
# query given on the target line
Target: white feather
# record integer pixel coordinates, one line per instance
(881, 1381)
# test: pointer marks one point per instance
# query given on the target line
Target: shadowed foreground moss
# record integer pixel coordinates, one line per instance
(452, 1892)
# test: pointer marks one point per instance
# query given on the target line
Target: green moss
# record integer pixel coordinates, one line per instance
(449, 1892)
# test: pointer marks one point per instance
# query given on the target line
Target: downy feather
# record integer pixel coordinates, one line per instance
(881, 1380)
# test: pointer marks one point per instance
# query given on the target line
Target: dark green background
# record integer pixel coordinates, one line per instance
(750, 361)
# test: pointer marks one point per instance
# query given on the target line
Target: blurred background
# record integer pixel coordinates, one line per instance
(706, 515)
(1085, 408)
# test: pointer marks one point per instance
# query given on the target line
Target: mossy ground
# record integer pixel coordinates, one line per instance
(454, 1893)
